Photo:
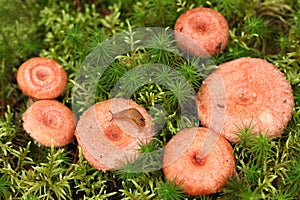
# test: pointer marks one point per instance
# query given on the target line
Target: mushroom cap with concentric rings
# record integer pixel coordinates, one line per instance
(255, 94)
(201, 32)
(196, 176)
(49, 121)
(109, 140)
(42, 78)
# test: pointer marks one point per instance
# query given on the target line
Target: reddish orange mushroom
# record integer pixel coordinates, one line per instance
(202, 32)
(50, 122)
(111, 131)
(195, 175)
(42, 78)
(255, 94)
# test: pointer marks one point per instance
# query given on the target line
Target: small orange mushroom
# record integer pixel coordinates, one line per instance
(201, 32)
(255, 94)
(49, 122)
(42, 78)
(111, 131)
(194, 175)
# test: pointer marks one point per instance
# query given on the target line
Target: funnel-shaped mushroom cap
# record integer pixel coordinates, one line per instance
(206, 27)
(111, 131)
(254, 93)
(42, 78)
(49, 121)
(195, 175)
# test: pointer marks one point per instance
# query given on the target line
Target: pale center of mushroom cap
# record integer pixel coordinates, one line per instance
(53, 119)
(42, 75)
(245, 96)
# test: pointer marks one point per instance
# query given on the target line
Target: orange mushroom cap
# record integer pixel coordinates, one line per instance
(108, 139)
(201, 27)
(49, 121)
(42, 78)
(255, 94)
(195, 176)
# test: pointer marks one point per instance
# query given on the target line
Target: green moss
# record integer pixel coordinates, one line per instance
(20, 39)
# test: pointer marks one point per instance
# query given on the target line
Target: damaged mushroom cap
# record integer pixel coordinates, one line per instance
(202, 32)
(109, 140)
(49, 121)
(42, 78)
(255, 94)
(195, 175)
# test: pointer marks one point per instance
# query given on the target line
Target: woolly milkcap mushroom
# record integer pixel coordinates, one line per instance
(256, 95)
(201, 32)
(111, 131)
(195, 175)
(49, 121)
(41, 78)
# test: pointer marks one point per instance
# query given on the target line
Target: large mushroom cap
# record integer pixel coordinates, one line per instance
(111, 131)
(196, 176)
(49, 121)
(206, 27)
(42, 78)
(254, 94)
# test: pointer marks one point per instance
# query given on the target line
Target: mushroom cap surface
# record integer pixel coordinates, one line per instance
(42, 78)
(197, 176)
(49, 121)
(201, 32)
(251, 93)
(110, 142)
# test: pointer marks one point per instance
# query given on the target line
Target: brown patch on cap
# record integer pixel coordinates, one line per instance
(255, 94)
(42, 78)
(198, 176)
(49, 121)
(108, 143)
(202, 32)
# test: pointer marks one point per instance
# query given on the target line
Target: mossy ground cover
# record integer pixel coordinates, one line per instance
(68, 31)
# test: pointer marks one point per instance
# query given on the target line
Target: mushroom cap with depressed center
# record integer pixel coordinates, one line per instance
(42, 78)
(193, 175)
(49, 121)
(255, 94)
(201, 32)
(110, 142)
